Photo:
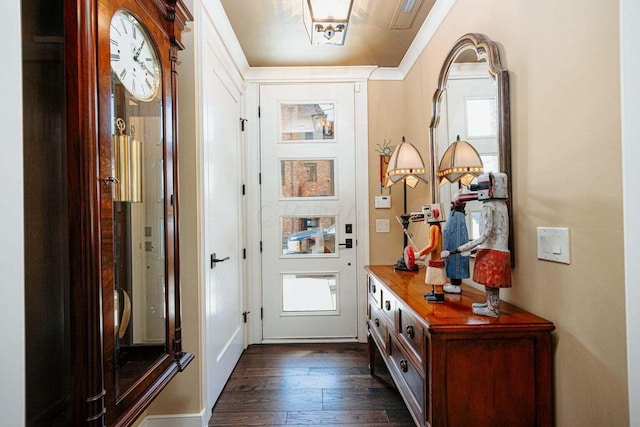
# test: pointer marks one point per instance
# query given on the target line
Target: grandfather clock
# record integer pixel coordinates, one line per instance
(126, 337)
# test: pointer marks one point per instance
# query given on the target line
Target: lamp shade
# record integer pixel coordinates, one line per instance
(461, 162)
(326, 20)
(405, 164)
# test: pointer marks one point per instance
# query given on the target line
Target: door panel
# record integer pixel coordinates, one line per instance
(223, 280)
(308, 199)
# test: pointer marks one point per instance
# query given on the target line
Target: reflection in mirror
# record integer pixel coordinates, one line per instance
(307, 122)
(471, 103)
(139, 233)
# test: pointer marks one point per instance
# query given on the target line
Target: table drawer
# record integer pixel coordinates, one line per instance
(412, 384)
(411, 331)
(389, 306)
(375, 291)
(378, 326)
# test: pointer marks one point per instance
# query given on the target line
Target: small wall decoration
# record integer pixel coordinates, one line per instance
(385, 151)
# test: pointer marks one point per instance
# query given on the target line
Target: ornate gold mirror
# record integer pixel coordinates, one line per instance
(471, 102)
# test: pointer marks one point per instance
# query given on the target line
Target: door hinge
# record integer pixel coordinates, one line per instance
(243, 190)
(244, 316)
(242, 124)
(244, 253)
(260, 246)
(171, 200)
(261, 313)
(260, 178)
(258, 111)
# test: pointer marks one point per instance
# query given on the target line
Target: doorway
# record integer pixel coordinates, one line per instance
(309, 211)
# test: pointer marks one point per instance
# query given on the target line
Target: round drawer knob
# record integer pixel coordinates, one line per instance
(404, 366)
(377, 322)
(387, 305)
(410, 332)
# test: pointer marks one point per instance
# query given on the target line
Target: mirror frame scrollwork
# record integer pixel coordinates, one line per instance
(485, 49)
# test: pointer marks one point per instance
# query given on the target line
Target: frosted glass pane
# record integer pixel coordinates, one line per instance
(309, 292)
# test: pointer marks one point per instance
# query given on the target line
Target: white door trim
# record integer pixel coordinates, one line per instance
(630, 107)
(254, 276)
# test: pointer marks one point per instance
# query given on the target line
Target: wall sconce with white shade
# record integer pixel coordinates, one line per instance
(460, 163)
(406, 166)
(326, 21)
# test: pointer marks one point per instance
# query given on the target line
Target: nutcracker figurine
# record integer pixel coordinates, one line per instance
(493, 259)
(436, 275)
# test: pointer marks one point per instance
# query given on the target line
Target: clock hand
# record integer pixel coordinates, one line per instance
(137, 52)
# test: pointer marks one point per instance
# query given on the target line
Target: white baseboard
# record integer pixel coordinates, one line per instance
(180, 420)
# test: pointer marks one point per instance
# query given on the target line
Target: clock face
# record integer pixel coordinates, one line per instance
(133, 57)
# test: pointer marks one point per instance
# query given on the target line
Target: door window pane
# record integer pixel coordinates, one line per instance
(308, 235)
(309, 292)
(307, 122)
(307, 178)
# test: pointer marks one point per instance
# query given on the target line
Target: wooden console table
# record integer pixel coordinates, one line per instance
(452, 367)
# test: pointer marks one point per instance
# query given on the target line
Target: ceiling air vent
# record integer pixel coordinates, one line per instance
(404, 14)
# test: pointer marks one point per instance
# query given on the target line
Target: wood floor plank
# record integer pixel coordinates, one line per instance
(269, 400)
(369, 398)
(309, 384)
(248, 419)
(304, 382)
(337, 417)
(299, 360)
(272, 372)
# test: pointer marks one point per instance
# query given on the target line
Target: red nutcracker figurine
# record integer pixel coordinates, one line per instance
(493, 259)
(436, 275)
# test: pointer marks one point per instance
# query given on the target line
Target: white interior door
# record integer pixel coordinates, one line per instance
(308, 212)
(222, 232)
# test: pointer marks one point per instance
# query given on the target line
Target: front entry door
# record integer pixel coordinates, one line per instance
(308, 212)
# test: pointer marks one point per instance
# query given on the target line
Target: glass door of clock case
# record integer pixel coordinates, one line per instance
(138, 235)
(138, 223)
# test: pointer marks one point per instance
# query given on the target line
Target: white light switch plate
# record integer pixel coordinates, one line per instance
(382, 225)
(553, 244)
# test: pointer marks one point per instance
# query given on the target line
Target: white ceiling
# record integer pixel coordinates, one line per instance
(271, 34)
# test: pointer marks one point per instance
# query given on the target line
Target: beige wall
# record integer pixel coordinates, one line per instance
(564, 71)
(183, 394)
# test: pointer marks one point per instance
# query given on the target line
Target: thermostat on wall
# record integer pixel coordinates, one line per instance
(382, 202)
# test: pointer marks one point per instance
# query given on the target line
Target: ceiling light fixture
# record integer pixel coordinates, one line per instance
(326, 20)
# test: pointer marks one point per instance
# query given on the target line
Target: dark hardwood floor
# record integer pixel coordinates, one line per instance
(309, 384)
